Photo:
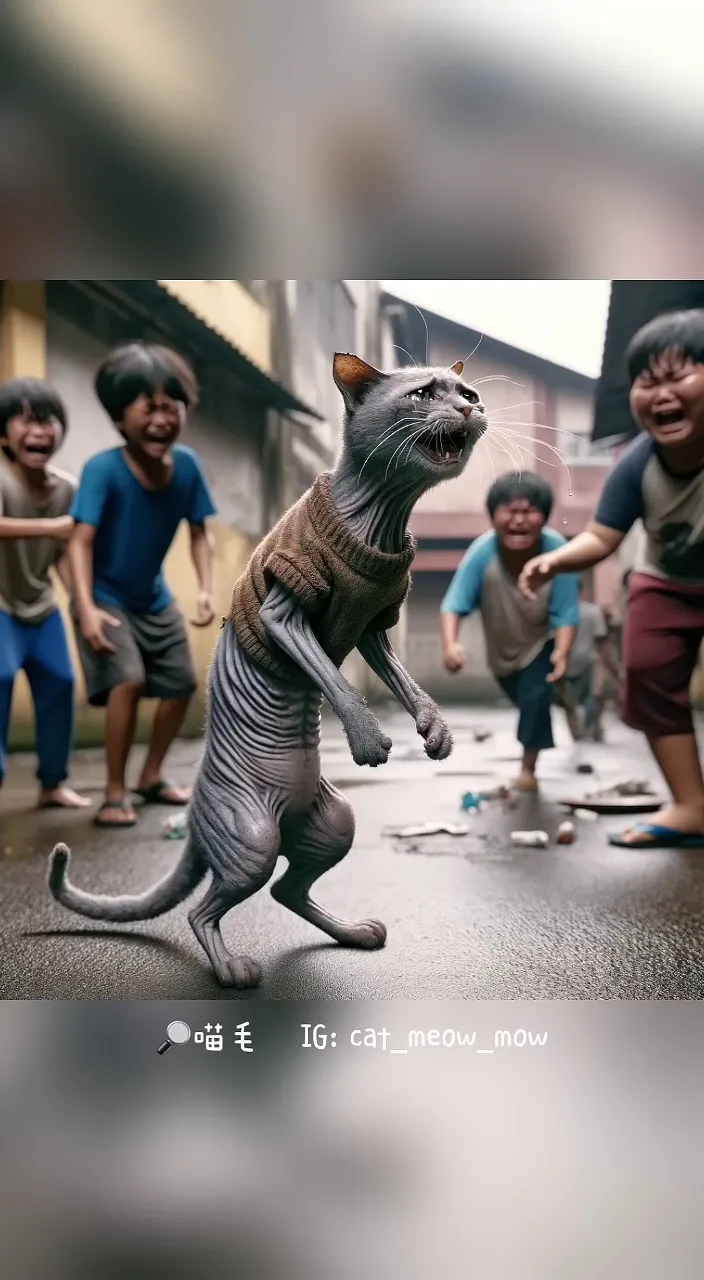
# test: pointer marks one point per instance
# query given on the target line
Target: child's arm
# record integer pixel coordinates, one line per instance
(63, 571)
(59, 527)
(87, 510)
(563, 615)
(91, 618)
(462, 597)
(200, 507)
(203, 555)
(595, 544)
(620, 505)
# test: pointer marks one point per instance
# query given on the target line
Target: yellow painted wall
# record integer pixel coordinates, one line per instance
(232, 312)
(23, 329)
(232, 550)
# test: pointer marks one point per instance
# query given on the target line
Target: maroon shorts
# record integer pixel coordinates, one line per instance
(662, 634)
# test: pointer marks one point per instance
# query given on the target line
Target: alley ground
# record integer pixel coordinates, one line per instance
(468, 917)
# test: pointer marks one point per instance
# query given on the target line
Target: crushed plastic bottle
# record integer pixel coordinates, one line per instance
(531, 839)
(174, 828)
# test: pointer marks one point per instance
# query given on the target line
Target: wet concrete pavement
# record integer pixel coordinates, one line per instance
(468, 917)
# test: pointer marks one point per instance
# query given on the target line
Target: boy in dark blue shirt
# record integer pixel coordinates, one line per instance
(659, 480)
(130, 633)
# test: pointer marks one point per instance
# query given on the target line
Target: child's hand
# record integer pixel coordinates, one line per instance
(559, 667)
(535, 574)
(205, 610)
(453, 657)
(93, 626)
(62, 527)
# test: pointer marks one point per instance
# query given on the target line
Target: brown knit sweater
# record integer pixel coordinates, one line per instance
(345, 585)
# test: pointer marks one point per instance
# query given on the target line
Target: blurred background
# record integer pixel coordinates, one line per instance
(574, 1159)
(395, 138)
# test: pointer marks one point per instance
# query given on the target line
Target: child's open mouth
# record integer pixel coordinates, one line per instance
(672, 418)
(39, 450)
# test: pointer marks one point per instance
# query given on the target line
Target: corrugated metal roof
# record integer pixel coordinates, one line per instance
(154, 295)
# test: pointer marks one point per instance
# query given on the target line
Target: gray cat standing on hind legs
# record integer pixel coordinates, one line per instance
(330, 577)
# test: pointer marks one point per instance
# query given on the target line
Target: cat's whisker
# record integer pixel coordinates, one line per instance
(520, 435)
(511, 456)
(522, 404)
(415, 435)
(496, 377)
(435, 431)
(474, 351)
(406, 353)
(427, 335)
(561, 461)
(489, 454)
(390, 431)
(541, 426)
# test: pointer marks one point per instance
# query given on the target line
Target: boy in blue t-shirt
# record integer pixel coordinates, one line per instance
(527, 642)
(131, 635)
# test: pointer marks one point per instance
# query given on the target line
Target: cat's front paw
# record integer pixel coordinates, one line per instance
(368, 744)
(432, 727)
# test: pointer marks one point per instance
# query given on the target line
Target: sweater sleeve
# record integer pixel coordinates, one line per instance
(300, 575)
(296, 560)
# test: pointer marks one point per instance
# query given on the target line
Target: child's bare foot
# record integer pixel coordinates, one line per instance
(525, 782)
(61, 798)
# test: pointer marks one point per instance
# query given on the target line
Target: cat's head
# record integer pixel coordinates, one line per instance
(423, 422)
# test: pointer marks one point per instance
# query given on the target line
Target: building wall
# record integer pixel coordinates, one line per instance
(227, 432)
(424, 649)
(314, 319)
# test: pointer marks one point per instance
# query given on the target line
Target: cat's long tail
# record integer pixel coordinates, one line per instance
(168, 893)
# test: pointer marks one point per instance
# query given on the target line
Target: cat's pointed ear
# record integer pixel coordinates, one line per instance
(458, 368)
(353, 378)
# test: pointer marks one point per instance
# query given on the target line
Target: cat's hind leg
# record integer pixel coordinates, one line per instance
(240, 871)
(315, 844)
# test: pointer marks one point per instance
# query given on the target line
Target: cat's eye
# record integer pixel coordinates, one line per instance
(470, 395)
(426, 393)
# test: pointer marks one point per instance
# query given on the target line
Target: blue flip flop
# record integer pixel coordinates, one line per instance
(660, 838)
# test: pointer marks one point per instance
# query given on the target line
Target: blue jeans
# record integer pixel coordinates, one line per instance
(41, 651)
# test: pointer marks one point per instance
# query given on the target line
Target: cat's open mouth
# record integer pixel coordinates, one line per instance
(442, 444)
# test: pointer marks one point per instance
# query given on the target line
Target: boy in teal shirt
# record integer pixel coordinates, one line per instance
(528, 642)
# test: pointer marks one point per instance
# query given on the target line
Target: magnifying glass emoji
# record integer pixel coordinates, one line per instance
(176, 1033)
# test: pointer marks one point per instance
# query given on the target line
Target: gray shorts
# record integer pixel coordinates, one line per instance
(152, 649)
